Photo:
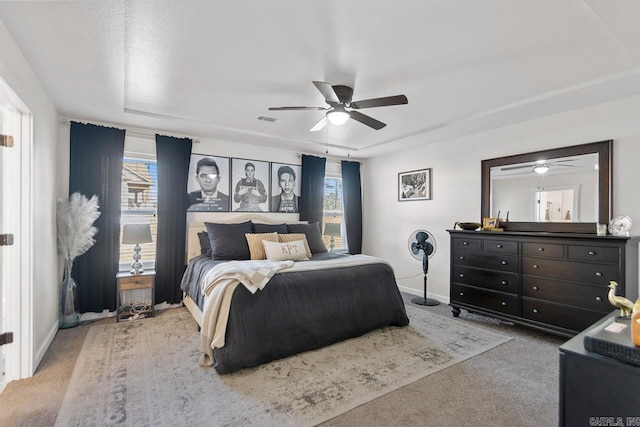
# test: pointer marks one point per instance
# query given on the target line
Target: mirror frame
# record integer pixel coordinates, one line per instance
(604, 149)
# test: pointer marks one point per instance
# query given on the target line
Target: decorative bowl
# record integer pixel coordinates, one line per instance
(469, 225)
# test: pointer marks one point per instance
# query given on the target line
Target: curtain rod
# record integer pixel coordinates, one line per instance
(140, 132)
(329, 157)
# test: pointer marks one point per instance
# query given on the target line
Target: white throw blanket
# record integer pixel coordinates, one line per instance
(218, 286)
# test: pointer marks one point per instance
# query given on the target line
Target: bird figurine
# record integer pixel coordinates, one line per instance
(625, 305)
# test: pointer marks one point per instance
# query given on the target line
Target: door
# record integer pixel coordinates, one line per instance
(10, 187)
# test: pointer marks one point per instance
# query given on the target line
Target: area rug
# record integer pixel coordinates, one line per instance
(146, 373)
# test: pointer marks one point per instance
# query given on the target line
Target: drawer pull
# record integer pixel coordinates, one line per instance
(535, 288)
(599, 274)
(461, 257)
(503, 262)
(592, 253)
(540, 249)
(598, 298)
(465, 243)
(461, 294)
(535, 310)
(536, 266)
(504, 282)
(498, 245)
(461, 275)
(504, 304)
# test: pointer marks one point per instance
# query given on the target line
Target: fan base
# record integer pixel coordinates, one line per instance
(425, 301)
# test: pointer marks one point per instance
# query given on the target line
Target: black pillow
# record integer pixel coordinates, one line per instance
(228, 241)
(314, 238)
(205, 244)
(270, 228)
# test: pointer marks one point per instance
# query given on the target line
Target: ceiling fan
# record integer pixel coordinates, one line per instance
(339, 99)
(542, 166)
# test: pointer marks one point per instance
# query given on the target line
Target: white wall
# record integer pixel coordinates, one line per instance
(45, 276)
(456, 176)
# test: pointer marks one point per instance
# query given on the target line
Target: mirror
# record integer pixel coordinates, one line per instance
(559, 190)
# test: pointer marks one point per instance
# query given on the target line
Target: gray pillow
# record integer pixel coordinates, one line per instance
(270, 228)
(314, 238)
(205, 243)
(228, 241)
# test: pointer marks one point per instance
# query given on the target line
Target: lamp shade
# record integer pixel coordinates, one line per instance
(332, 229)
(136, 233)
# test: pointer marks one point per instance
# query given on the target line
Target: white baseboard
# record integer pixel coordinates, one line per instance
(443, 299)
(39, 354)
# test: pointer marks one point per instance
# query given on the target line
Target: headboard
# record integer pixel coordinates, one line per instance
(194, 227)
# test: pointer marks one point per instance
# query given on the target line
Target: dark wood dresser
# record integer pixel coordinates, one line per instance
(557, 282)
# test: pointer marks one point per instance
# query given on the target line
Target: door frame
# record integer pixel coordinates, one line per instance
(19, 362)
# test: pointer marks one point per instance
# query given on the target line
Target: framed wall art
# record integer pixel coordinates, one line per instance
(208, 184)
(285, 187)
(250, 180)
(414, 185)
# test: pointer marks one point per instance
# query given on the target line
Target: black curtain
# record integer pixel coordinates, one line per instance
(352, 205)
(95, 159)
(312, 189)
(173, 156)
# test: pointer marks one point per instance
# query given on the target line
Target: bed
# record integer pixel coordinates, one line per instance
(304, 305)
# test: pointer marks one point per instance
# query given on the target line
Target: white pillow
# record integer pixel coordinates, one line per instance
(294, 251)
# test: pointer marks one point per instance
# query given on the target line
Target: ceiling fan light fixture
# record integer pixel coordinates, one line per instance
(338, 116)
(541, 169)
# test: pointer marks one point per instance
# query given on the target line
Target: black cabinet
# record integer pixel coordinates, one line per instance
(557, 282)
(594, 389)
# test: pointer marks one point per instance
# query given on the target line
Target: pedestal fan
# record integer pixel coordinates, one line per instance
(422, 246)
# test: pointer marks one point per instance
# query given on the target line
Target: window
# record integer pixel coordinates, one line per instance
(139, 205)
(332, 212)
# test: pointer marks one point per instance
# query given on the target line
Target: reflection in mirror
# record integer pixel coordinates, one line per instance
(566, 189)
(563, 189)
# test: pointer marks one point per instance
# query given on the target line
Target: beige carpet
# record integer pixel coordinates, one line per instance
(146, 373)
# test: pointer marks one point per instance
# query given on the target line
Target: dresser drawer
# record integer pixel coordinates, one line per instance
(571, 318)
(589, 297)
(468, 244)
(496, 301)
(487, 260)
(496, 280)
(598, 274)
(594, 253)
(135, 282)
(502, 246)
(549, 250)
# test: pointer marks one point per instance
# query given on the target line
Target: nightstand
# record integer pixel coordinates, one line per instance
(126, 283)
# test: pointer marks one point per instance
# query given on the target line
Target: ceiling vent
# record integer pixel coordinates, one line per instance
(267, 119)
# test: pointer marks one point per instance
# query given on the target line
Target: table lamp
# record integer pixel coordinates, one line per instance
(134, 234)
(332, 229)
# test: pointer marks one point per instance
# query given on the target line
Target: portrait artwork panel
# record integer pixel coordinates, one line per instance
(208, 185)
(414, 185)
(285, 187)
(250, 185)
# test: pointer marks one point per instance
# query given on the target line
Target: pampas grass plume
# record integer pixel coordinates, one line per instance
(75, 218)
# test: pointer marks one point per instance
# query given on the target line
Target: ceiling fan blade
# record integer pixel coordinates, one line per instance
(517, 167)
(380, 102)
(366, 120)
(327, 91)
(321, 124)
(295, 108)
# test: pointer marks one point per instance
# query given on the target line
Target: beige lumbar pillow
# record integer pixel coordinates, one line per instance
(294, 251)
(292, 237)
(256, 248)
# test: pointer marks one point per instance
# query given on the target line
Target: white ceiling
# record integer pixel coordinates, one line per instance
(208, 69)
